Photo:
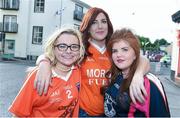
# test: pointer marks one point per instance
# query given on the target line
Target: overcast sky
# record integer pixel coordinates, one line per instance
(149, 18)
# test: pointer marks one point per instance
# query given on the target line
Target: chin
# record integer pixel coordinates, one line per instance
(101, 39)
(69, 63)
(121, 67)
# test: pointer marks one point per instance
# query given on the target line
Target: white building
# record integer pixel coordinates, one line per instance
(25, 24)
(175, 64)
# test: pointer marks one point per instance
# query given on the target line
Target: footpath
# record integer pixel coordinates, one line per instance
(163, 72)
(19, 61)
(167, 77)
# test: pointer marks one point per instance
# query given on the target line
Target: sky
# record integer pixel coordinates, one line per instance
(148, 18)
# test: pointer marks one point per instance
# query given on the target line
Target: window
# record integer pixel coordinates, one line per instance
(10, 23)
(78, 8)
(39, 6)
(9, 46)
(37, 35)
(7, 4)
(78, 12)
(10, 4)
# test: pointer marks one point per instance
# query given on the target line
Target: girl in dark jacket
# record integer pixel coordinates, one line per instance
(124, 50)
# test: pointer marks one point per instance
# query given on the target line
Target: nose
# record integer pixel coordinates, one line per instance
(99, 25)
(119, 54)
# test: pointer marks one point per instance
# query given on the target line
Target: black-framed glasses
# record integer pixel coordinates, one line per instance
(64, 47)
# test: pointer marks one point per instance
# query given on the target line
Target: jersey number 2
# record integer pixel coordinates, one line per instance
(69, 94)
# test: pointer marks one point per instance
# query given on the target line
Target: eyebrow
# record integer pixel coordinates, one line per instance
(125, 47)
(121, 47)
(101, 19)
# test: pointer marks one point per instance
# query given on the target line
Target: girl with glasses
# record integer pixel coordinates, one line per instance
(65, 50)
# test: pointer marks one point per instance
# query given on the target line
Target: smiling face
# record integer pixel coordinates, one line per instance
(123, 55)
(67, 57)
(99, 27)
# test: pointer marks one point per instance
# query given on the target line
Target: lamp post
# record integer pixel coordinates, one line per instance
(59, 12)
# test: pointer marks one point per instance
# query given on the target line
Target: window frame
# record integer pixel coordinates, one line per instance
(10, 23)
(37, 37)
(10, 4)
(78, 12)
(77, 8)
(39, 6)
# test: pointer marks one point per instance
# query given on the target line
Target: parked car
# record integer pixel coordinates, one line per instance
(155, 58)
(166, 60)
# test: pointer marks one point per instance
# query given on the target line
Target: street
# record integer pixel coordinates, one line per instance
(172, 90)
(12, 76)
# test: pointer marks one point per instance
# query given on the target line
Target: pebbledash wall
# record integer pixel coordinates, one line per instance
(25, 24)
(175, 63)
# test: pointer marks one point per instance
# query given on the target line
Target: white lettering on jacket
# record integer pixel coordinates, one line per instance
(96, 73)
(96, 76)
(98, 82)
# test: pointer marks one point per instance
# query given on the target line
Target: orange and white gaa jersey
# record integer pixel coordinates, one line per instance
(60, 101)
(93, 71)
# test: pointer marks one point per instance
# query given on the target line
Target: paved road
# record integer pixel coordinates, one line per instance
(172, 90)
(160, 69)
(173, 95)
(12, 76)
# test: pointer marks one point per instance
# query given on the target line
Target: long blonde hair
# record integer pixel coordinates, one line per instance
(49, 45)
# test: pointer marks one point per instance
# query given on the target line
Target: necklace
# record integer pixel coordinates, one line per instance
(63, 69)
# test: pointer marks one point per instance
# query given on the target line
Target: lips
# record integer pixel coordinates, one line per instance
(67, 56)
(100, 32)
(120, 60)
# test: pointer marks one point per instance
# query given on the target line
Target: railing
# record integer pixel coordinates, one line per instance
(9, 5)
(9, 27)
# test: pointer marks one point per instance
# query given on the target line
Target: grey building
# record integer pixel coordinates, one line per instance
(25, 24)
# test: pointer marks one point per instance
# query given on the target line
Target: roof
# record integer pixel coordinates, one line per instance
(82, 3)
(176, 17)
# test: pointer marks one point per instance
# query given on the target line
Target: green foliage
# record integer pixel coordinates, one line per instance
(146, 44)
(163, 42)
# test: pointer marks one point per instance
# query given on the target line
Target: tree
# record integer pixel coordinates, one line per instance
(163, 42)
(157, 44)
(151, 47)
(145, 43)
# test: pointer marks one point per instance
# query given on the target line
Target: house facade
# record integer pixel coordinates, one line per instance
(25, 24)
(175, 65)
